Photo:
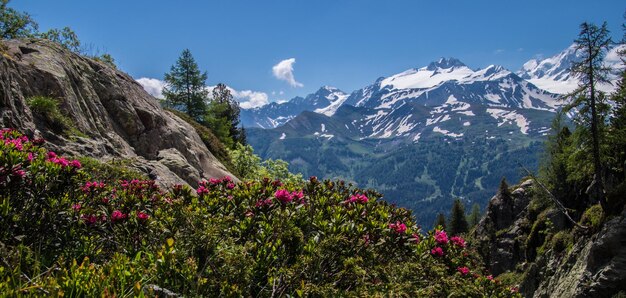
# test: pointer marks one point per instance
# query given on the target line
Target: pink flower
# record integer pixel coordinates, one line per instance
(117, 216)
(298, 195)
(89, 219)
(490, 277)
(358, 198)
(142, 216)
(75, 163)
(249, 213)
(437, 252)
(416, 237)
(458, 241)
(463, 270)
(51, 154)
(76, 207)
(202, 190)
(230, 185)
(398, 227)
(30, 156)
(19, 173)
(214, 181)
(283, 196)
(441, 237)
(226, 179)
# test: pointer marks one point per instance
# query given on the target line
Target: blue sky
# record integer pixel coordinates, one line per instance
(347, 44)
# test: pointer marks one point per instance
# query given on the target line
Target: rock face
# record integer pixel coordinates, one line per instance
(595, 265)
(118, 117)
(498, 232)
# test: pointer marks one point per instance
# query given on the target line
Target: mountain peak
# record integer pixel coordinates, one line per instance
(445, 63)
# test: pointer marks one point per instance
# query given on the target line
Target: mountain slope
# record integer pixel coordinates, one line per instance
(553, 73)
(326, 101)
(422, 137)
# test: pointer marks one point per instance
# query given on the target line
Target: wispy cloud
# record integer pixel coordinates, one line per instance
(498, 51)
(247, 98)
(284, 71)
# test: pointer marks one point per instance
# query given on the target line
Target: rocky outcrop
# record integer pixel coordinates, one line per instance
(593, 266)
(498, 234)
(116, 117)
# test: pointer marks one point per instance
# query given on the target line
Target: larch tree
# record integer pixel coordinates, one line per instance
(185, 87)
(592, 43)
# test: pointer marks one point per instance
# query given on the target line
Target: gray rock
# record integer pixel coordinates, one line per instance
(120, 119)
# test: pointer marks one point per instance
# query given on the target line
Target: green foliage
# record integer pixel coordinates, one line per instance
(65, 37)
(563, 240)
(67, 234)
(47, 109)
(457, 224)
(593, 217)
(116, 169)
(218, 123)
(229, 110)
(15, 24)
(441, 221)
(474, 217)
(185, 88)
(249, 166)
(107, 59)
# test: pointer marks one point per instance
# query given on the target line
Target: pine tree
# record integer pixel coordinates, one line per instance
(230, 111)
(15, 24)
(458, 223)
(441, 221)
(474, 217)
(185, 87)
(503, 189)
(593, 43)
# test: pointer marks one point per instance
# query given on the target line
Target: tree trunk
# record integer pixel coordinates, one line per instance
(597, 191)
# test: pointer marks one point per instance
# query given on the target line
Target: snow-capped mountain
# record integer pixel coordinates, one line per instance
(553, 73)
(326, 101)
(448, 130)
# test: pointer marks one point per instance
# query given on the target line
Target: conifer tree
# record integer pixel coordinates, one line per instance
(593, 42)
(458, 223)
(503, 189)
(474, 217)
(185, 87)
(229, 110)
(441, 221)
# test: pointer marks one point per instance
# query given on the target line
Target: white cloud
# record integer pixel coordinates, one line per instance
(154, 87)
(284, 71)
(250, 99)
(247, 98)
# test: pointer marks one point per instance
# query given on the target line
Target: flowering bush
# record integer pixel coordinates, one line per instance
(95, 237)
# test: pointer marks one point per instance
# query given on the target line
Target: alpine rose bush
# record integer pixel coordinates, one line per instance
(65, 231)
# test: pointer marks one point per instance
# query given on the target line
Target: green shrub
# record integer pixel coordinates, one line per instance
(593, 217)
(47, 109)
(561, 241)
(116, 169)
(67, 233)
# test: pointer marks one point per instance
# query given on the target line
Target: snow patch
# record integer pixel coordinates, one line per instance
(505, 116)
(447, 133)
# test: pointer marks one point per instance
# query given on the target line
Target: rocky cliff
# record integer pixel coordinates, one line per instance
(111, 115)
(523, 239)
